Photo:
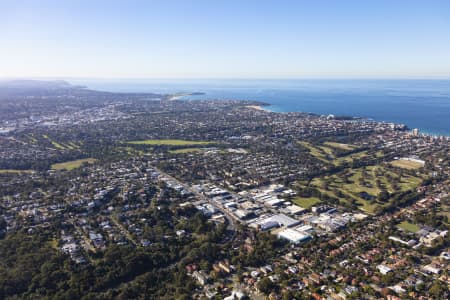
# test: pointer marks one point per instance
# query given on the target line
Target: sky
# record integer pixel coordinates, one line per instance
(225, 39)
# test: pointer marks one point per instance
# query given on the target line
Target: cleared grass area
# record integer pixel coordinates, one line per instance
(73, 145)
(316, 152)
(347, 147)
(6, 171)
(70, 146)
(32, 139)
(364, 205)
(70, 165)
(58, 145)
(186, 150)
(409, 226)
(169, 142)
(350, 158)
(326, 153)
(306, 202)
(354, 183)
(367, 206)
(406, 164)
(55, 144)
(379, 154)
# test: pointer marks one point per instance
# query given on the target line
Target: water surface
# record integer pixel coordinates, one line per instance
(423, 104)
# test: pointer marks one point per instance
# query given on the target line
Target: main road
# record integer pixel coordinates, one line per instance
(231, 219)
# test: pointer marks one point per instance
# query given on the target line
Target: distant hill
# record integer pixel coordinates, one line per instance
(35, 84)
(28, 87)
(60, 90)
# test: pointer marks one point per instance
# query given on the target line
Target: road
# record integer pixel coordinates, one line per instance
(123, 230)
(231, 219)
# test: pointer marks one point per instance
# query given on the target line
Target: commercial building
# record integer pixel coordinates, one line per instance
(294, 236)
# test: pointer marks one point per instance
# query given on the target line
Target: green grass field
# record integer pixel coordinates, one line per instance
(54, 143)
(70, 165)
(409, 226)
(58, 145)
(406, 164)
(32, 139)
(316, 152)
(5, 171)
(326, 152)
(352, 182)
(69, 146)
(306, 202)
(73, 145)
(347, 147)
(355, 181)
(169, 142)
(350, 158)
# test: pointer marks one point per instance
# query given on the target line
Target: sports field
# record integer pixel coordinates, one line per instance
(73, 164)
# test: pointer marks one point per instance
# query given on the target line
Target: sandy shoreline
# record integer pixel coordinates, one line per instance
(257, 107)
(173, 98)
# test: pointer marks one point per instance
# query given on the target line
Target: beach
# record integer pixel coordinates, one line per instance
(257, 107)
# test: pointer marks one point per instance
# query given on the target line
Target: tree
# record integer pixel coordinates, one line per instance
(383, 196)
(266, 285)
(438, 291)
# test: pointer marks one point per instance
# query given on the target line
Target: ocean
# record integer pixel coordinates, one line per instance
(423, 104)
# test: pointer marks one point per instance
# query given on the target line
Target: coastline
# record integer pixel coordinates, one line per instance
(422, 131)
(267, 108)
(257, 107)
(431, 119)
(180, 96)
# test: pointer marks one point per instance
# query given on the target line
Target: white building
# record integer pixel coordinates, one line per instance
(294, 236)
(384, 269)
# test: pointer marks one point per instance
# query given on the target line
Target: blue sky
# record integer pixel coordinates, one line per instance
(225, 39)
